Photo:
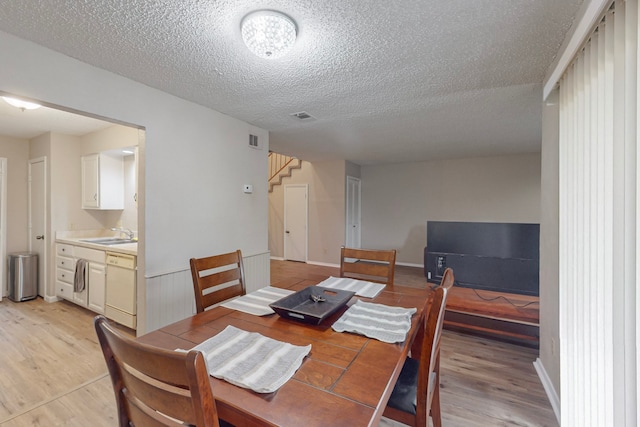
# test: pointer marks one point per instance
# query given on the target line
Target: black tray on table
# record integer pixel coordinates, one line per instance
(301, 306)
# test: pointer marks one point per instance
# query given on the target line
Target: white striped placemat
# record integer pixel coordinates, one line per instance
(360, 287)
(257, 303)
(251, 360)
(382, 322)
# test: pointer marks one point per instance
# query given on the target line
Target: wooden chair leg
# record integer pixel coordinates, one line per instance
(436, 416)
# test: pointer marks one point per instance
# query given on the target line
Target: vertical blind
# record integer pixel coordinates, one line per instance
(598, 161)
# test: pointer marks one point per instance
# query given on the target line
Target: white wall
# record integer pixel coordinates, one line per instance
(66, 186)
(16, 151)
(196, 159)
(549, 244)
(352, 170)
(326, 182)
(399, 199)
(110, 138)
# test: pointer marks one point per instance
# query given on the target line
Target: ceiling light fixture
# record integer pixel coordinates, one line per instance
(23, 105)
(268, 34)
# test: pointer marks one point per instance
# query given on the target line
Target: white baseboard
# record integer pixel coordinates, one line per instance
(408, 264)
(324, 264)
(328, 264)
(548, 387)
(52, 299)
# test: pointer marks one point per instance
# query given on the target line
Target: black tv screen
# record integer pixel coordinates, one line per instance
(500, 257)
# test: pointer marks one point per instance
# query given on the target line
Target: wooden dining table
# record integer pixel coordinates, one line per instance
(346, 379)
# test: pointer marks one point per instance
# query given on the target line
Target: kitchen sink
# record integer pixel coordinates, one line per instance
(110, 241)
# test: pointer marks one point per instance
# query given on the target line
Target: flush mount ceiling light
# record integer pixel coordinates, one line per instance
(268, 34)
(23, 105)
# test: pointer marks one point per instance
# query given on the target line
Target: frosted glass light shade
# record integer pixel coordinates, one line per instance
(268, 34)
(23, 105)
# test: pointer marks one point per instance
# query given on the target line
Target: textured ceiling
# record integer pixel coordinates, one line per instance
(385, 81)
(31, 123)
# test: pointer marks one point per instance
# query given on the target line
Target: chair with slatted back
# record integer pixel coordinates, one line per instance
(371, 265)
(217, 278)
(155, 386)
(416, 394)
(447, 279)
(446, 282)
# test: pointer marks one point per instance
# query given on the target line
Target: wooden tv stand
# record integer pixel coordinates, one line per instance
(491, 314)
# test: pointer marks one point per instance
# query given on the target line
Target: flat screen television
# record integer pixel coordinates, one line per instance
(502, 257)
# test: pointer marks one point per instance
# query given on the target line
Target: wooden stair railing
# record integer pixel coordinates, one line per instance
(280, 166)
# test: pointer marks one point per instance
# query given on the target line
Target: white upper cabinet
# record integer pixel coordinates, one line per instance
(90, 182)
(102, 182)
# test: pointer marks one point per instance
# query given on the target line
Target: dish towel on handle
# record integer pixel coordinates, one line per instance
(78, 277)
(382, 322)
(251, 360)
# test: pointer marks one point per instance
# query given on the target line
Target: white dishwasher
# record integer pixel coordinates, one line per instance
(121, 289)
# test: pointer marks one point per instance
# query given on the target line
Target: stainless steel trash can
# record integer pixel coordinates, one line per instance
(23, 276)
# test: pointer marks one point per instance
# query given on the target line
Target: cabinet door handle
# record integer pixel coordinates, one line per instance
(95, 196)
(41, 237)
(135, 197)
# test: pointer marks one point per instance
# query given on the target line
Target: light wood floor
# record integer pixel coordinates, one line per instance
(53, 373)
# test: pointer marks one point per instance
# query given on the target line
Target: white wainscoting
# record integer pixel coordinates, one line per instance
(169, 299)
(170, 296)
(257, 271)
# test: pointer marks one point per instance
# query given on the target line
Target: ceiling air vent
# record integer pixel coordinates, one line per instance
(302, 115)
(253, 141)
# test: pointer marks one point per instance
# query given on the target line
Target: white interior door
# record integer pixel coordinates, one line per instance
(3, 227)
(37, 227)
(352, 234)
(295, 222)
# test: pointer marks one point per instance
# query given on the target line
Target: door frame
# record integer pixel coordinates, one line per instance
(47, 238)
(3, 228)
(306, 220)
(349, 195)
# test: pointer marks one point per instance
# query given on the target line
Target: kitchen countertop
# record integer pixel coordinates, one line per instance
(76, 238)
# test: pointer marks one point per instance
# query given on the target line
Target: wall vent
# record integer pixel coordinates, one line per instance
(302, 115)
(253, 141)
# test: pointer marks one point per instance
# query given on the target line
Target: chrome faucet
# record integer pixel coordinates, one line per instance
(126, 231)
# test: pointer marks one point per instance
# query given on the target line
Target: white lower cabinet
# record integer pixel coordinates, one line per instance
(97, 280)
(93, 294)
(65, 270)
(80, 298)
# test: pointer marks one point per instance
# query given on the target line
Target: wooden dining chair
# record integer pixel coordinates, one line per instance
(155, 386)
(217, 278)
(372, 265)
(416, 394)
(446, 282)
(447, 279)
